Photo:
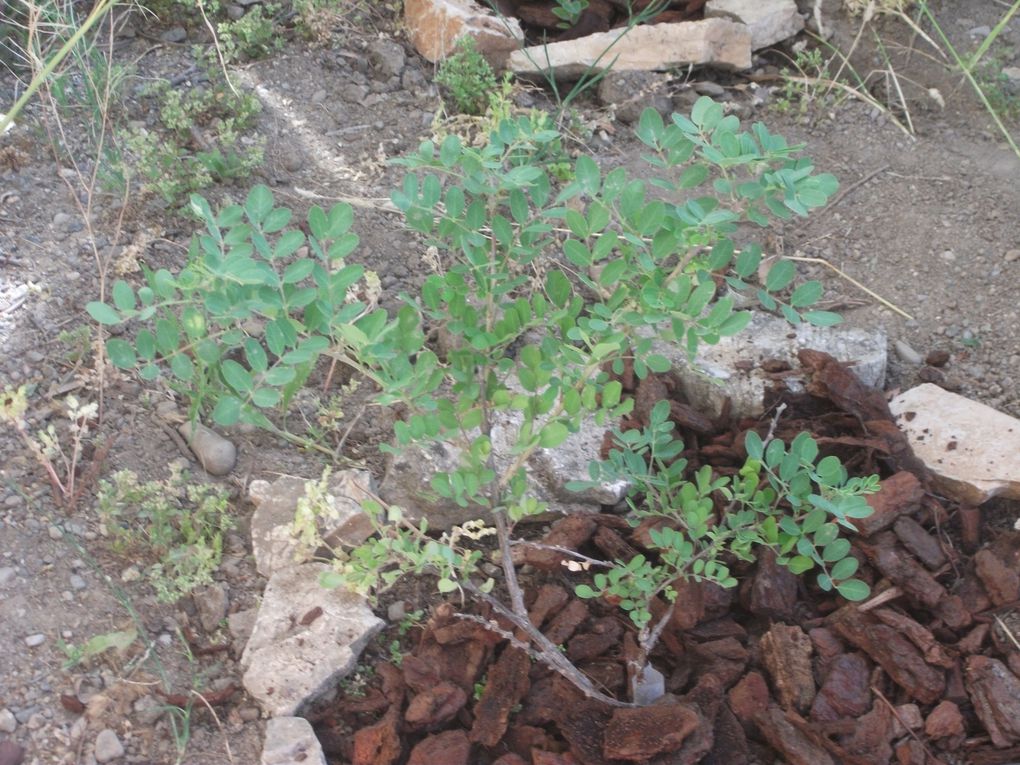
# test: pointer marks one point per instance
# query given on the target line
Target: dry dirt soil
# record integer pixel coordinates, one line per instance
(929, 222)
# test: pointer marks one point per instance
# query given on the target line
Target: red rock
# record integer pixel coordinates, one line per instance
(898, 495)
(846, 691)
(641, 733)
(774, 588)
(944, 721)
(541, 757)
(507, 684)
(451, 747)
(434, 26)
(899, 657)
(995, 693)
(1001, 582)
(786, 652)
(435, 706)
(378, 744)
(749, 697)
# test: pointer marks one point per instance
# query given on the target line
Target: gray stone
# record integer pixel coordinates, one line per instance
(435, 26)
(7, 574)
(906, 353)
(8, 723)
(174, 35)
(55, 533)
(969, 448)
(548, 472)
(235, 12)
(241, 624)
(108, 746)
(660, 47)
(148, 709)
(211, 603)
(715, 375)
(36, 640)
(306, 639)
(78, 582)
(215, 454)
(274, 543)
(770, 21)
(387, 58)
(291, 741)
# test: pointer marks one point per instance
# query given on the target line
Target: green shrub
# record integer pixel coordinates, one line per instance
(546, 295)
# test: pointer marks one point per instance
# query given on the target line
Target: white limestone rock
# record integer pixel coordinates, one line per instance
(972, 450)
(306, 639)
(770, 21)
(291, 741)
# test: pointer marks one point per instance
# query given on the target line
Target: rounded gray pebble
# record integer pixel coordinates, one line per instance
(36, 640)
(108, 746)
(906, 353)
(215, 453)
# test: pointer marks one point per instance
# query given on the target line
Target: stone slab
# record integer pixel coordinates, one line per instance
(972, 450)
(717, 373)
(434, 26)
(291, 741)
(721, 43)
(306, 639)
(770, 21)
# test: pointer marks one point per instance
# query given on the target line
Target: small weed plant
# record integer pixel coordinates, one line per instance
(201, 137)
(252, 36)
(547, 293)
(467, 77)
(178, 522)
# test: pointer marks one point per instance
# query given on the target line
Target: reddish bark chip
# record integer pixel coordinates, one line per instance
(899, 657)
(550, 600)
(570, 532)
(774, 588)
(507, 684)
(1000, 581)
(378, 744)
(944, 721)
(451, 747)
(510, 759)
(749, 697)
(786, 651)
(846, 691)
(787, 739)
(995, 693)
(435, 706)
(641, 733)
(897, 495)
(566, 622)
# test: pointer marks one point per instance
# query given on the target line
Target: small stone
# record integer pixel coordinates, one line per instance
(61, 220)
(906, 353)
(108, 746)
(78, 582)
(211, 604)
(291, 741)
(130, 574)
(36, 640)
(707, 88)
(174, 35)
(387, 58)
(249, 714)
(7, 574)
(982, 31)
(214, 452)
(8, 723)
(234, 12)
(148, 709)
(396, 611)
(55, 532)
(1012, 255)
